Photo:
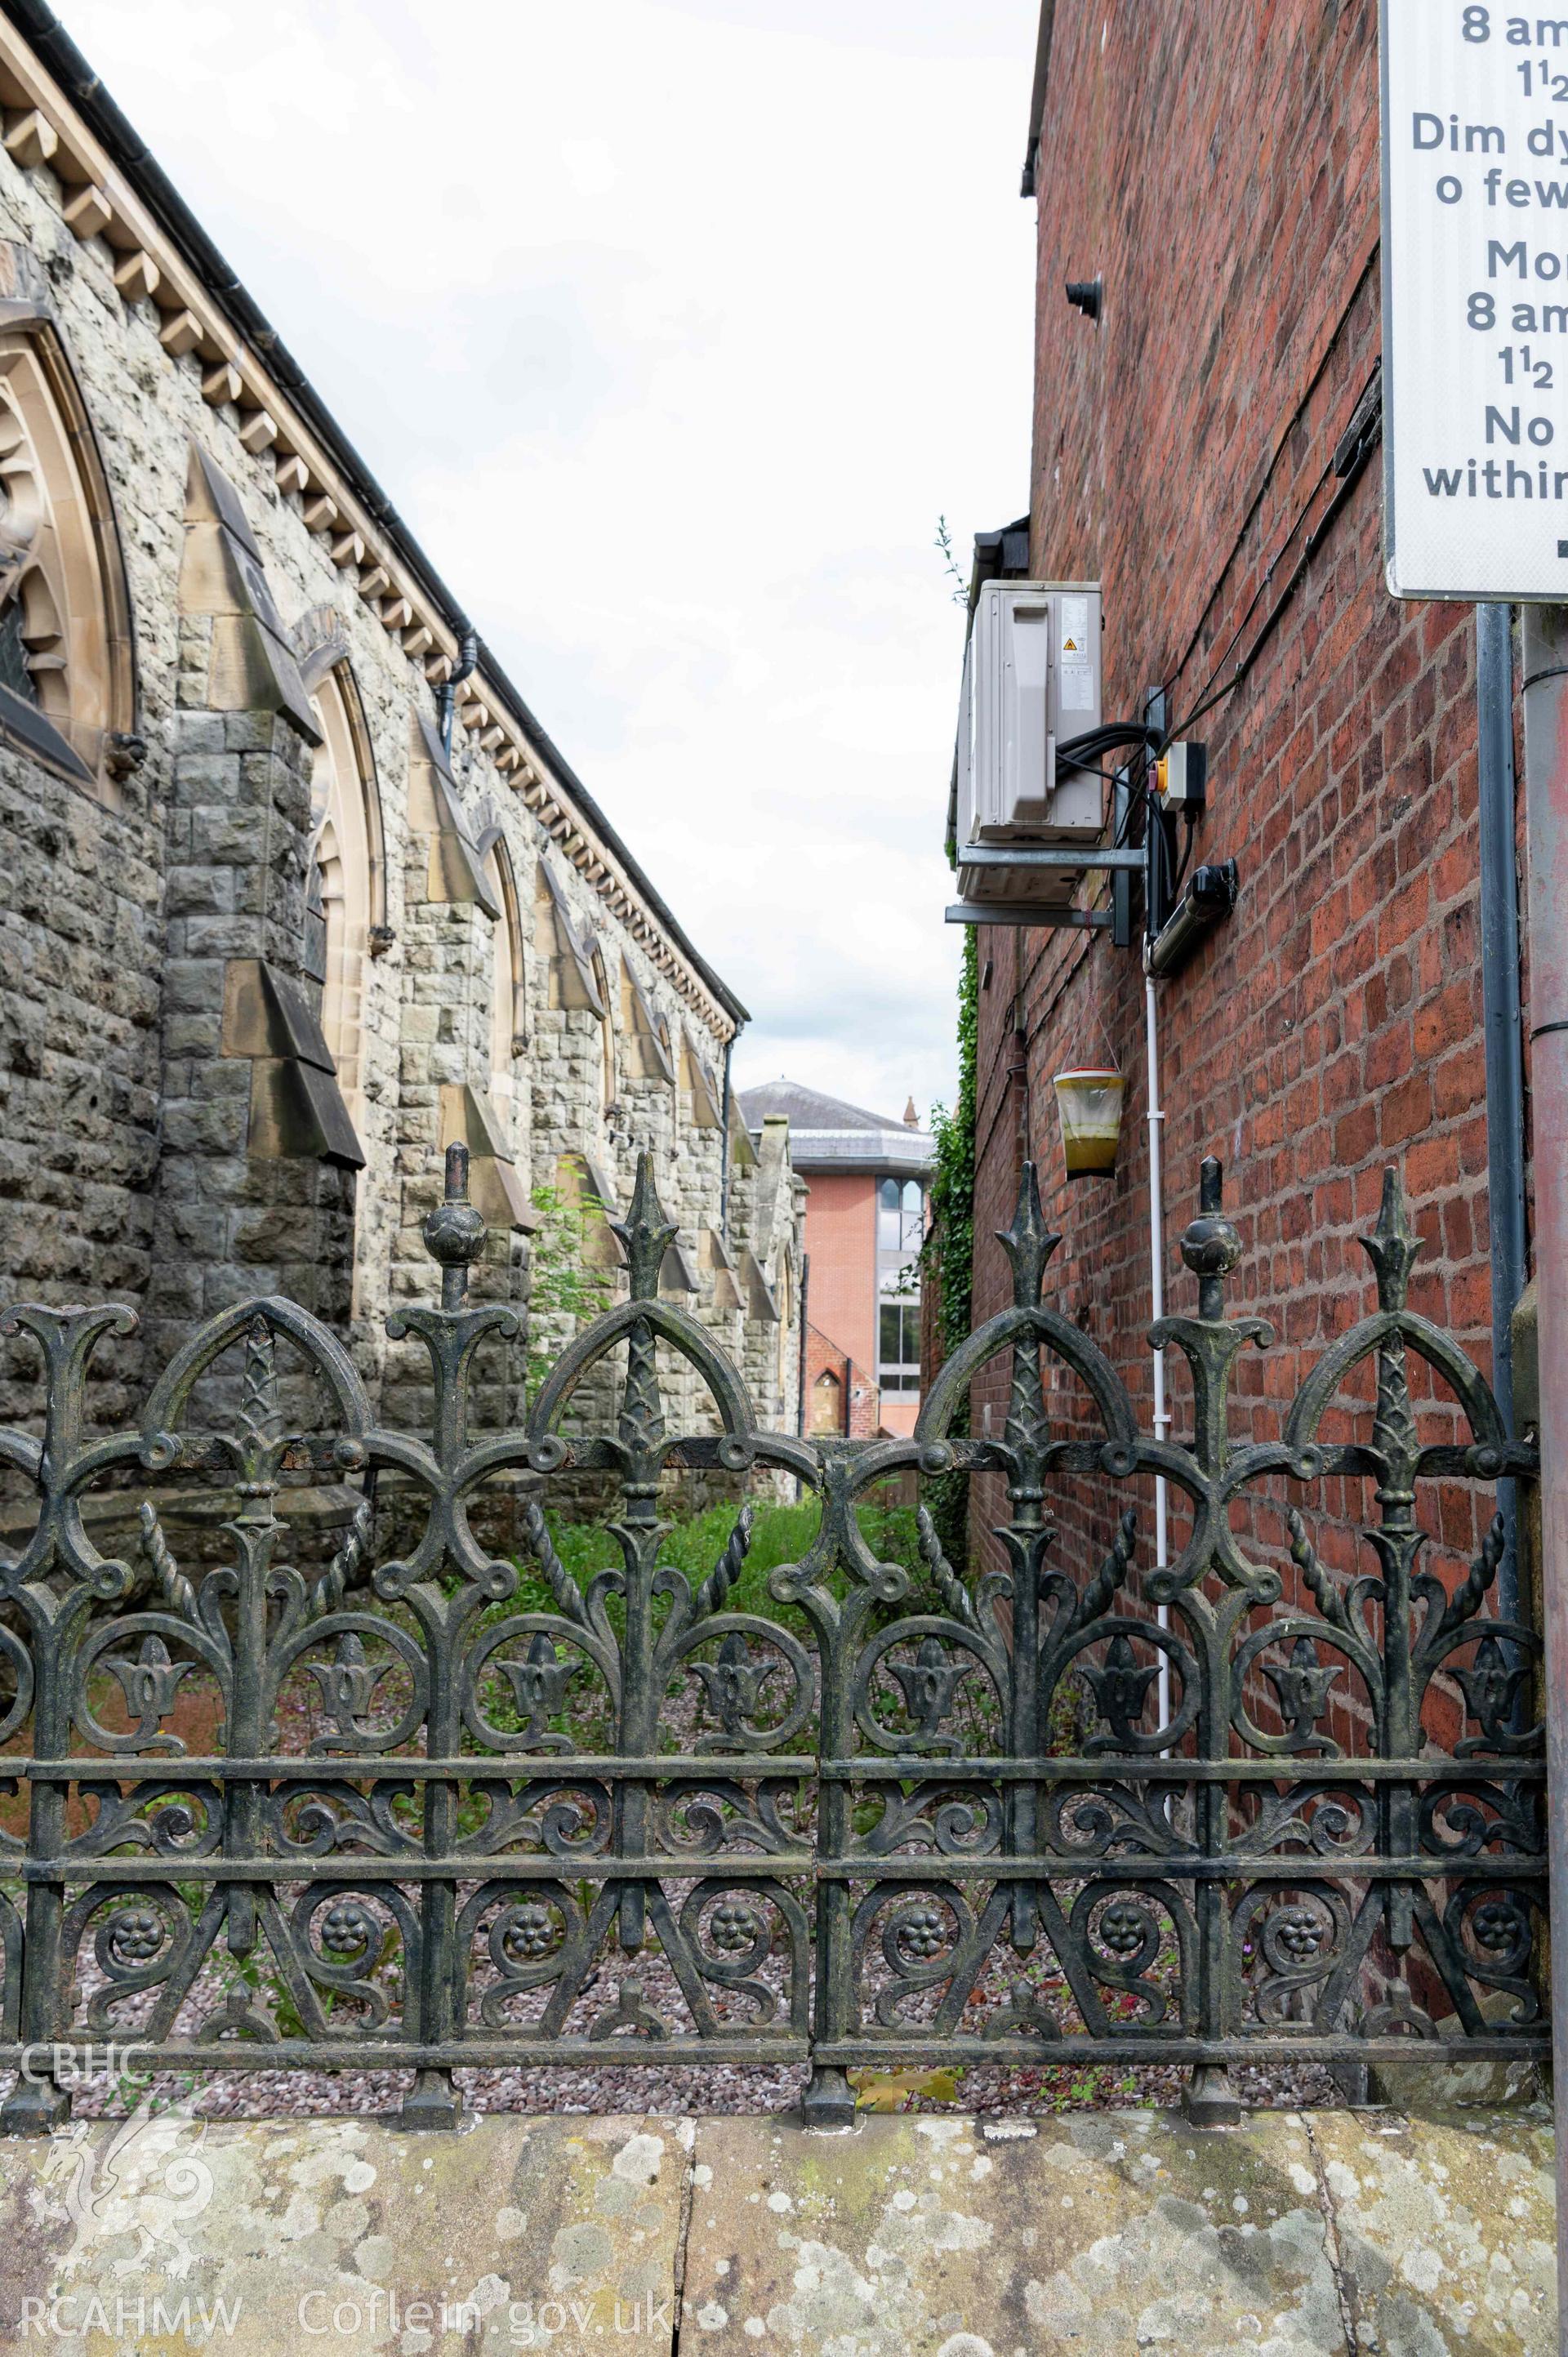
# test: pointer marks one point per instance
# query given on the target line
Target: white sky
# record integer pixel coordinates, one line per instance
(669, 327)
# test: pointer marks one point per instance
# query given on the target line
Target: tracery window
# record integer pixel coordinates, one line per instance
(65, 685)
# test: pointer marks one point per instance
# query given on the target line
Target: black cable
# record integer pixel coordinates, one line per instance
(1351, 476)
(1188, 837)
(1206, 702)
(1080, 752)
(1107, 737)
(1266, 628)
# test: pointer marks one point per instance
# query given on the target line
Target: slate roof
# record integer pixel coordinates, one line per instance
(827, 1135)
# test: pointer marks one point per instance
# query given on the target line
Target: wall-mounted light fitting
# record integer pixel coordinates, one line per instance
(1207, 902)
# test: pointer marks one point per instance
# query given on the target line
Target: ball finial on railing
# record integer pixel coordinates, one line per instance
(1209, 1244)
(454, 1232)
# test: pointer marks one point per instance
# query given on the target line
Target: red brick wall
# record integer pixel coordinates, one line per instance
(841, 1237)
(854, 1388)
(1219, 167)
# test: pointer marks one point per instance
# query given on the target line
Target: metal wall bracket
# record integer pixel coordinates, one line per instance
(1004, 854)
(1013, 912)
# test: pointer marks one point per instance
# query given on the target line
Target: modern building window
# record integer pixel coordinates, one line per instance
(866, 1217)
(900, 1231)
(900, 1216)
(899, 1345)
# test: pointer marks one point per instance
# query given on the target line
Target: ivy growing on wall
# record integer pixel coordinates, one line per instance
(949, 1258)
(569, 1283)
(951, 1246)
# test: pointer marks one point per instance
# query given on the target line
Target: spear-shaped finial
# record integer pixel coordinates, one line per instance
(1029, 1243)
(646, 1233)
(1392, 1245)
(454, 1232)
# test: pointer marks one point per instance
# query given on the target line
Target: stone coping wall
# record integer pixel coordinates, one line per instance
(1302, 2235)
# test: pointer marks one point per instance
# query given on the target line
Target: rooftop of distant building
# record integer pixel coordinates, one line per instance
(826, 1133)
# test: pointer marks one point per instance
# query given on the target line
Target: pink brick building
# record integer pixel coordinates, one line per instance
(866, 1220)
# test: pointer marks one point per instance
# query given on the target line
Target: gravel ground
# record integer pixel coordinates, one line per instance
(617, 2086)
(620, 2089)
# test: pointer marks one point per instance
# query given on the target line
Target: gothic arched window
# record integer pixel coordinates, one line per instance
(67, 693)
(607, 1034)
(508, 988)
(671, 1061)
(346, 902)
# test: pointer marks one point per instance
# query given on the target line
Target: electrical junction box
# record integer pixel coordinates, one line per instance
(1181, 777)
(1031, 681)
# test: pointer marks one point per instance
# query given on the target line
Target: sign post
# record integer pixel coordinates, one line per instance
(1475, 147)
(1475, 191)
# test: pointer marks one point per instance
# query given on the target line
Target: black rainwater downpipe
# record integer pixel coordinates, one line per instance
(467, 656)
(1504, 1050)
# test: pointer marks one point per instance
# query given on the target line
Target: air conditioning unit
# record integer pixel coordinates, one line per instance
(1031, 681)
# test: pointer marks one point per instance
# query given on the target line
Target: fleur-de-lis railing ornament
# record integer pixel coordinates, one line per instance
(733, 1683)
(149, 1683)
(347, 1681)
(1303, 1685)
(1491, 1689)
(1028, 2013)
(1120, 1688)
(929, 1685)
(631, 2015)
(538, 1685)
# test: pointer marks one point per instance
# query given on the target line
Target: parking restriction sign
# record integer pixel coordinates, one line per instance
(1475, 224)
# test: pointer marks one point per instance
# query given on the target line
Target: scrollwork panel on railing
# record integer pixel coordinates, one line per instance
(416, 1801)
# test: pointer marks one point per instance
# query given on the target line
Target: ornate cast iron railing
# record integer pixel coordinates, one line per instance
(524, 1815)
